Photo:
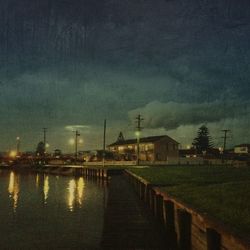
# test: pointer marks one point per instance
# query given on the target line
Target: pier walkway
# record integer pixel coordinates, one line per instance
(127, 224)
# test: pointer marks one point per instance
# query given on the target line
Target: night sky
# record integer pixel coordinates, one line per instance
(68, 64)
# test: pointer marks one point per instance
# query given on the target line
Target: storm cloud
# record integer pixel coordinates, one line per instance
(172, 115)
(179, 63)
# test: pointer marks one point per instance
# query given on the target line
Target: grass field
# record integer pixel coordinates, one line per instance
(221, 192)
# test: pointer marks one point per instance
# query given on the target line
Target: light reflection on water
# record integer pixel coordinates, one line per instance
(80, 189)
(75, 195)
(46, 189)
(37, 180)
(13, 189)
(71, 196)
(71, 219)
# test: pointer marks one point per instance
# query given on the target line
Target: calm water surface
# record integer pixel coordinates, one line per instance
(40, 211)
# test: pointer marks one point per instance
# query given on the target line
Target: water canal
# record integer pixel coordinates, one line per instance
(41, 211)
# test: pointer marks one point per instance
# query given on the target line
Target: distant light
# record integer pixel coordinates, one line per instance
(137, 133)
(47, 145)
(13, 154)
(71, 141)
(81, 141)
(188, 146)
(18, 138)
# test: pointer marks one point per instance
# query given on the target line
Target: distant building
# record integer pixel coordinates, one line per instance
(188, 153)
(153, 148)
(57, 153)
(97, 155)
(192, 153)
(242, 149)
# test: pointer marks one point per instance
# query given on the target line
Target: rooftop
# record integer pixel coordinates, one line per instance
(143, 140)
(243, 145)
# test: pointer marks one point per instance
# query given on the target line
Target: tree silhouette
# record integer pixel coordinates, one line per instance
(203, 141)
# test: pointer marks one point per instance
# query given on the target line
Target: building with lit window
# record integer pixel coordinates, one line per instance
(152, 149)
(242, 149)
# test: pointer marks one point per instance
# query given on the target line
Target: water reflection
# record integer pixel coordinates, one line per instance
(80, 189)
(39, 225)
(75, 193)
(46, 189)
(13, 189)
(71, 197)
(37, 180)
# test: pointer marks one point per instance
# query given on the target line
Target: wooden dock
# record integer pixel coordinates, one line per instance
(127, 224)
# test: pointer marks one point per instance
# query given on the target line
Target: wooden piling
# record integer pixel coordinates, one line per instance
(184, 229)
(213, 239)
(169, 216)
(159, 208)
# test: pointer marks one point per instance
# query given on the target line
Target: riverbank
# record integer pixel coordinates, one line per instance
(219, 194)
(216, 197)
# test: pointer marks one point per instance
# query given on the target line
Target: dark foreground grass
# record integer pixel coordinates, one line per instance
(227, 202)
(221, 192)
(198, 175)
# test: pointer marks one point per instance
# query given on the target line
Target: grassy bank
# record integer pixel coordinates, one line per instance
(221, 192)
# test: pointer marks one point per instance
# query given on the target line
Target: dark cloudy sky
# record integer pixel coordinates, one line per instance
(67, 64)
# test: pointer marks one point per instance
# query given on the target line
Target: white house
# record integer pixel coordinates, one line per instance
(242, 149)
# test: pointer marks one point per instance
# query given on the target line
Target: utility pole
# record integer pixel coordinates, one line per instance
(139, 119)
(77, 134)
(17, 145)
(104, 142)
(44, 138)
(225, 131)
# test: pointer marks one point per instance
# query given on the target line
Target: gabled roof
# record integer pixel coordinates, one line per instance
(143, 140)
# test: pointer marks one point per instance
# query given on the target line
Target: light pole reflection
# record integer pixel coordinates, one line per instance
(37, 180)
(46, 189)
(75, 193)
(71, 195)
(13, 189)
(80, 190)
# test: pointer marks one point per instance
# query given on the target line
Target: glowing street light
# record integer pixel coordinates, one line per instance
(13, 153)
(71, 141)
(137, 134)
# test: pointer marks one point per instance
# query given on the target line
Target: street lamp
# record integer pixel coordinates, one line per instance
(137, 133)
(17, 145)
(13, 154)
